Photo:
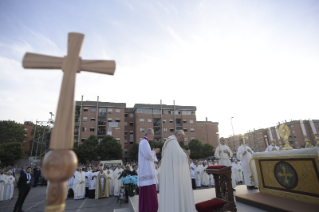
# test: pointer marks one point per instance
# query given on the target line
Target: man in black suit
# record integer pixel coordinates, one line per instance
(36, 174)
(24, 186)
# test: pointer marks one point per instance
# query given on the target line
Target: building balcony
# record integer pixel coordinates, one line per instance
(179, 125)
(102, 113)
(77, 113)
(76, 123)
(101, 123)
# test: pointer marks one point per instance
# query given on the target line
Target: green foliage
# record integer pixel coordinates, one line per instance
(10, 131)
(87, 151)
(10, 152)
(195, 146)
(207, 150)
(134, 152)
(110, 149)
(183, 146)
(155, 145)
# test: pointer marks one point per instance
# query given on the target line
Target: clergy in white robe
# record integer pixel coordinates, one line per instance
(109, 181)
(87, 182)
(79, 185)
(176, 193)
(157, 171)
(3, 182)
(205, 176)
(117, 182)
(93, 183)
(102, 187)
(244, 154)
(9, 187)
(147, 179)
(224, 153)
(198, 172)
(238, 172)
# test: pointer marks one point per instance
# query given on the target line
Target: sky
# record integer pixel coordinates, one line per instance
(256, 61)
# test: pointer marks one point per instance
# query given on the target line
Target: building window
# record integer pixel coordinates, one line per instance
(191, 121)
(117, 110)
(149, 120)
(83, 129)
(131, 124)
(293, 131)
(83, 139)
(125, 123)
(117, 119)
(140, 111)
(131, 115)
(109, 119)
(142, 130)
(186, 139)
(185, 129)
(165, 129)
(177, 112)
(156, 111)
(192, 138)
(118, 139)
(85, 118)
(102, 111)
(184, 121)
(142, 120)
(110, 110)
(91, 129)
(125, 115)
(141, 139)
(192, 130)
(171, 130)
(171, 121)
(85, 109)
(92, 119)
(164, 121)
(125, 133)
(93, 109)
(125, 141)
(292, 126)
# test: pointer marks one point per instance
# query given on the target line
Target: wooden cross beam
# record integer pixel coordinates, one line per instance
(60, 163)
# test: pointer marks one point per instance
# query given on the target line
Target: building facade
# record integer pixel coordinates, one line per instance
(128, 125)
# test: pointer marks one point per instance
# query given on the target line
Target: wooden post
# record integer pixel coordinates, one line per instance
(60, 163)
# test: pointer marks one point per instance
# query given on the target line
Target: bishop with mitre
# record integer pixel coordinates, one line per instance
(176, 193)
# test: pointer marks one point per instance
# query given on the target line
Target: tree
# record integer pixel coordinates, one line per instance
(195, 146)
(182, 145)
(207, 150)
(134, 152)
(110, 149)
(155, 145)
(87, 151)
(10, 131)
(9, 152)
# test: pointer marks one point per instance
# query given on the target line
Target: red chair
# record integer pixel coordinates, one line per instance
(224, 200)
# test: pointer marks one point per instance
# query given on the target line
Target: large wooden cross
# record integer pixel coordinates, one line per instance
(60, 163)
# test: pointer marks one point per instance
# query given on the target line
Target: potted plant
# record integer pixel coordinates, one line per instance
(130, 183)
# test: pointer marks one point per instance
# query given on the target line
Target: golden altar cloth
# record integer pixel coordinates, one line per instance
(289, 173)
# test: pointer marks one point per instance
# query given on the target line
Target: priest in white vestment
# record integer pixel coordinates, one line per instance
(176, 193)
(205, 176)
(109, 181)
(117, 182)
(224, 153)
(147, 179)
(2, 183)
(244, 154)
(198, 172)
(9, 187)
(238, 172)
(79, 185)
(93, 183)
(102, 186)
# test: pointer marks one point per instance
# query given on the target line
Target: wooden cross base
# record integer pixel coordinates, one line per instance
(58, 167)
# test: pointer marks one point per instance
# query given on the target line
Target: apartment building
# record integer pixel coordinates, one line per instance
(128, 125)
(299, 129)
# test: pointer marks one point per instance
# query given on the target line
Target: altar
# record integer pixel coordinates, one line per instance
(291, 174)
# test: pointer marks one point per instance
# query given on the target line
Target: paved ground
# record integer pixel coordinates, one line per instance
(36, 200)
